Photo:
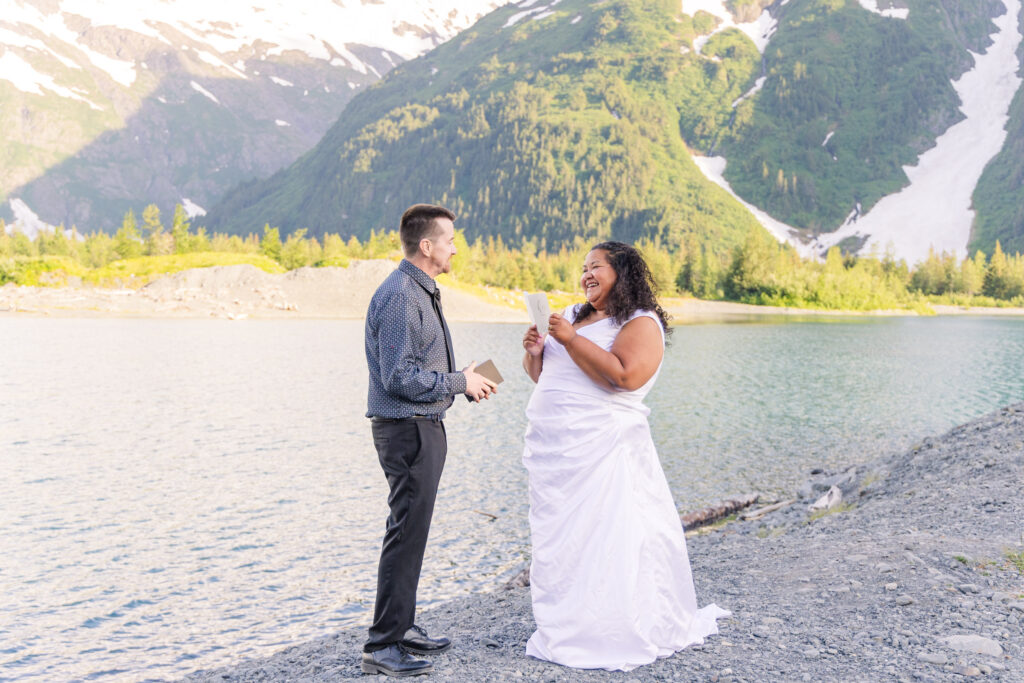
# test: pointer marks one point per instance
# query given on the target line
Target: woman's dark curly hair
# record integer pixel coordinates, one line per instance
(633, 290)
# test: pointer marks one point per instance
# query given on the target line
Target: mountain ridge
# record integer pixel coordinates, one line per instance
(107, 108)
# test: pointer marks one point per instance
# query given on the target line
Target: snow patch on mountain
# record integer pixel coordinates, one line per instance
(892, 12)
(10, 38)
(758, 84)
(934, 210)
(203, 91)
(216, 62)
(191, 208)
(54, 25)
(759, 31)
(24, 77)
(713, 169)
(541, 12)
(26, 220)
(321, 29)
(318, 28)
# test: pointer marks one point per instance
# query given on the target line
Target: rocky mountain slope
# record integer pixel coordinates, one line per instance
(110, 106)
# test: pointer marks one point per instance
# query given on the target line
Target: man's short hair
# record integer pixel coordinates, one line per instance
(418, 223)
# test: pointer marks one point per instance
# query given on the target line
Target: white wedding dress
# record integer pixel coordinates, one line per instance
(610, 577)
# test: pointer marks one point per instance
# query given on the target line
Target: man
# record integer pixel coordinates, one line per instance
(412, 383)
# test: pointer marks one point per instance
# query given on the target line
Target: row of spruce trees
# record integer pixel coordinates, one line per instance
(758, 271)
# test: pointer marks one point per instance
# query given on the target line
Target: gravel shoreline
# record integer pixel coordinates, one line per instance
(918, 575)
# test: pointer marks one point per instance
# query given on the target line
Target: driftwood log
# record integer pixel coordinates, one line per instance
(709, 515)
(691, 520)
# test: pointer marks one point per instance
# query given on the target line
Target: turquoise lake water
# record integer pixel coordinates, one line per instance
(180, 494)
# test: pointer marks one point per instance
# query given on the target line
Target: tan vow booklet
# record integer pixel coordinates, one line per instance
(488, 370)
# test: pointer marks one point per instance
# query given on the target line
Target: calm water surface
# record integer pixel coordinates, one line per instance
(182, 494)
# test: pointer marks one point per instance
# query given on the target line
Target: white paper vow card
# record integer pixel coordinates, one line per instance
(537, 307)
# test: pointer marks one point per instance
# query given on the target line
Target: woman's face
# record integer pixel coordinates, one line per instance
(598, 278)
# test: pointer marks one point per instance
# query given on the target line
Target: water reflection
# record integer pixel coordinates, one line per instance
(181, 494)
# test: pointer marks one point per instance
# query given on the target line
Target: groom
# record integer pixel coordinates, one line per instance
(412, 383)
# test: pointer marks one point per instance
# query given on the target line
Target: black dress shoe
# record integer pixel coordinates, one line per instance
(394, 661)
(418, 642)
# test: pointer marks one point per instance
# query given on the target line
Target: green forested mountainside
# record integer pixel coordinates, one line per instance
(999, 197)
(878, 89)
(557, 129)
(576, 126)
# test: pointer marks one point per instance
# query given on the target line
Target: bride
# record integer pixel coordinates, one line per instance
(610, 577)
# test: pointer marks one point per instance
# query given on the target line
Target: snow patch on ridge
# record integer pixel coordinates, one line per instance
(26, 220)
(758, 84)
(319, 28)
(54, 25)
(12, 39)
(759, 31)
(191, 208)
(203, 91)
(25, 78)
(713, 169)
(892, 12)
(934, 210)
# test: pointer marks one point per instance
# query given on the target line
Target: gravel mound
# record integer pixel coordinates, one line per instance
(917, 574)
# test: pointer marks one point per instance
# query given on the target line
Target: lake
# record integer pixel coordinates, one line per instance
(181, 494)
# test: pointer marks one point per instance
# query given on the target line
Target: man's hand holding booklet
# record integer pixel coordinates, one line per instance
(490, 371)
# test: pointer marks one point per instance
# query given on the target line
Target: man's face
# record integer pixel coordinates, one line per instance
(442, 246)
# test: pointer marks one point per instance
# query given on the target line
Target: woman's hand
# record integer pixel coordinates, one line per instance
(533, 341)
(561, 329)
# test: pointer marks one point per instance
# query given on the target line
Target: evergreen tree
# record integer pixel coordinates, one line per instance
(6, 249)
(157, 241)
(128, 242)
(271, 244)
(179, 229)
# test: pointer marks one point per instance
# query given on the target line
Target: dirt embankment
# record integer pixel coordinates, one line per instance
(239, 292)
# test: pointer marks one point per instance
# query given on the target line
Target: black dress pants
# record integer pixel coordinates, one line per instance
(412, 452)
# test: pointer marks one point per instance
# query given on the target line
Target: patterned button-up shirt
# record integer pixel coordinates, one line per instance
(405, 349)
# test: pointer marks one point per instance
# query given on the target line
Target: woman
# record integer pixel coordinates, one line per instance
(610, 577)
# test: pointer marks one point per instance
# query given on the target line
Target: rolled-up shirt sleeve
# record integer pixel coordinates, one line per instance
(400, 358)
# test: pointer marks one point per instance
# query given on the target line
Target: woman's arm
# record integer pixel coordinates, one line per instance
(633, 359)
(533, 359)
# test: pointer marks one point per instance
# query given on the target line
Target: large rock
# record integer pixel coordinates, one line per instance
(973, 643)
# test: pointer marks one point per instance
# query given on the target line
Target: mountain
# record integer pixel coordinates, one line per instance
(553, 121)
(873, 126)
(869, 125)
(106, 107)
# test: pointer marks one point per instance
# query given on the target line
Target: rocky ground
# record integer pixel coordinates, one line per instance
(916, 574)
